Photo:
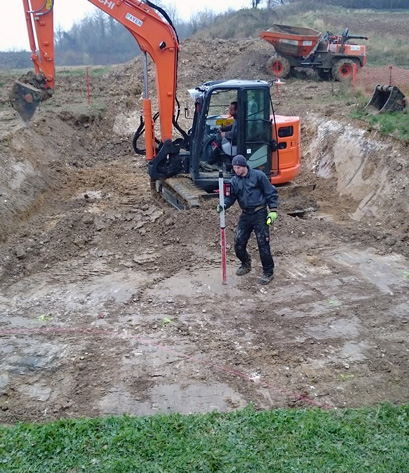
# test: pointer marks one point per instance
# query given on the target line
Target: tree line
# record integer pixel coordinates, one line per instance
(99, 39)
(372, 4)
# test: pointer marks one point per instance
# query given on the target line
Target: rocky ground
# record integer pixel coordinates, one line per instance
(112, 301)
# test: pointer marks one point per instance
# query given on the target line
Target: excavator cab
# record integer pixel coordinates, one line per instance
(254, 130)
(269, 142)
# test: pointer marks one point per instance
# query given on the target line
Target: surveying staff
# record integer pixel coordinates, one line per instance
(254, 192)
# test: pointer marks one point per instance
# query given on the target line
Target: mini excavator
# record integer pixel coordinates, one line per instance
(178, 167)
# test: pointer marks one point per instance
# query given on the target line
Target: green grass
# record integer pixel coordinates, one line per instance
(394, 124)
(367, 440)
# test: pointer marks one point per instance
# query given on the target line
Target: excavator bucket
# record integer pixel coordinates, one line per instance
(386, 99)
(25, 99)
(28, 92)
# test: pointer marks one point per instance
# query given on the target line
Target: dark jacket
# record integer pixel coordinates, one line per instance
(231, 132)
(252, 191)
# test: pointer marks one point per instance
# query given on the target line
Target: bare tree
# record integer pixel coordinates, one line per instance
(171, 10)
(269, 3)
(201, 19)
(274, 3)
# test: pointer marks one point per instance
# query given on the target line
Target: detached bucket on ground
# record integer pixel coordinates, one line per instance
(386, 98)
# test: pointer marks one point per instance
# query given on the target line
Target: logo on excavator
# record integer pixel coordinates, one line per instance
(107, 3)
(135, 20)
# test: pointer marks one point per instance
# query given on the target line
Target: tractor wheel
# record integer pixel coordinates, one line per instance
(343, 70)
(278, 66)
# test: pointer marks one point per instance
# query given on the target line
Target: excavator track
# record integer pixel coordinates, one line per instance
(180, 192)
(183, 194)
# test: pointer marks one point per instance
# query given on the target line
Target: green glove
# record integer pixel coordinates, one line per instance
(219, 208)
(271, 218)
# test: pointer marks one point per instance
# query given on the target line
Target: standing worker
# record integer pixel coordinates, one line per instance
(254, 192)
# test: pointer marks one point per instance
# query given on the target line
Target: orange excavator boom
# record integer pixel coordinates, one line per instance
(40, 25)
(154, 34)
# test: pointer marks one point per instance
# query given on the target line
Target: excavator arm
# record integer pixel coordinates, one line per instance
(154, 35)
(42, 28)
(32, 88)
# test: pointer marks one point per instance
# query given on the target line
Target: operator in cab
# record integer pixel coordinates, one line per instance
(228, 133)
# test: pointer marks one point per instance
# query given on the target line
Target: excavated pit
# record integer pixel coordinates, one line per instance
(112, 301)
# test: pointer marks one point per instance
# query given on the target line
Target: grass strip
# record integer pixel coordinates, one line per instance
(373, 440)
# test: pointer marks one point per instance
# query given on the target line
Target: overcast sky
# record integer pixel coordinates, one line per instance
(13, 32)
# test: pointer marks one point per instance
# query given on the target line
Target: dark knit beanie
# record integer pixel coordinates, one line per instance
(239, 160)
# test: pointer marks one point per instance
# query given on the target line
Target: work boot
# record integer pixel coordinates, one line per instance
(204, 166)
(244, 269)
(266, 278)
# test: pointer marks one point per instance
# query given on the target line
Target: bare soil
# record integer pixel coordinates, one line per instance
(112, 301)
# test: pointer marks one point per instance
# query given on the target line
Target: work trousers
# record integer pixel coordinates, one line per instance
(256, 222)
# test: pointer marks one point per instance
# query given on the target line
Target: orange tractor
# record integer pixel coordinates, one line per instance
(331, 56)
